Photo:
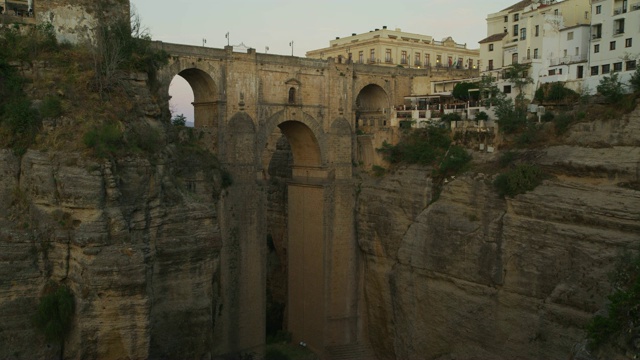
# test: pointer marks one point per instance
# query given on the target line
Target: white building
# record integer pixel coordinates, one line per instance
(615, 40)
(550, 35)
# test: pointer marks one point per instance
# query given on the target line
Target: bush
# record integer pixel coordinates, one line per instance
(547, 116)
(623, 316)
(451, 117)
(562, 123)
(522, 178)
(51, 107)
(105, 141)
(634, 82)
(421, 146)
(179, 120)
(482, 116)
(455, 161)
(611, 88)
(507, 159)
(54, 315)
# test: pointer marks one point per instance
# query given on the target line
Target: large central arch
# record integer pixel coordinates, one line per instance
(204, 97)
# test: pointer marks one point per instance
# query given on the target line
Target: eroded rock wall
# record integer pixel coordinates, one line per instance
(138, 250)
(476, 276)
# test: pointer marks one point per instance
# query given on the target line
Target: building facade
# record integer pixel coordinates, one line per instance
(615, 40)
(397, 48)
(552, 36)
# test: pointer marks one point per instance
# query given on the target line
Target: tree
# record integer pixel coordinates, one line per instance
(635, 80)
(519, 76)
(611, 88)
(55, 314)
(461, 91)
(179, 120)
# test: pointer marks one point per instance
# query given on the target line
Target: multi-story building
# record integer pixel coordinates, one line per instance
(615, 40)
(395, 47)
(550, 35)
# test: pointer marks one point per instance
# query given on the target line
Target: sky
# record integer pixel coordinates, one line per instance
(309, 25)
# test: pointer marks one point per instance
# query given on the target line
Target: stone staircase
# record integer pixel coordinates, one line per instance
(349, 352)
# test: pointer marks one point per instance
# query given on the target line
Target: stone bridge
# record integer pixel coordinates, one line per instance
(244, 103)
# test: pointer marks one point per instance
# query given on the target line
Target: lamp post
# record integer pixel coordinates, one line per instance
(227, 36)
(291, 44)
(204, 41)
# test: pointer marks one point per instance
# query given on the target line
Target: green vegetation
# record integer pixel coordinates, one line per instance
(634, 82)
(451, 117)
(430, 146)
(179, 120)
(105, 140)
(611, 88)
(482, 116)
(19, 120)
(55, 313)
(621, 324)
(556, 92)
(522, 178)
(461, 91)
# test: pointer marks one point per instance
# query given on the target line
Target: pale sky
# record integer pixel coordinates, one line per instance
(310, 25)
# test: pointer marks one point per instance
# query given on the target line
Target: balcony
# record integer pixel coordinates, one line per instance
(526, 59)
(635, 7)
(619, 11)
(568, 60)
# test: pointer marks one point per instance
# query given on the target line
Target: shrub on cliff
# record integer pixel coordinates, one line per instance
(620, 326)
(522, 178)
(55, 313)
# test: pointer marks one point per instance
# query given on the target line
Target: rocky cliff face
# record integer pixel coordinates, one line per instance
(138, 248)
(476, 276)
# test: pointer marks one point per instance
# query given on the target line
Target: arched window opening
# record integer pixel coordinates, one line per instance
(292, 95)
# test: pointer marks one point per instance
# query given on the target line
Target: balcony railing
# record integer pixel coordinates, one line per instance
(635, 7)
(568, 60)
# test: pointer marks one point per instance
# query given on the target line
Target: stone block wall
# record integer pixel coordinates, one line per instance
(76, 21)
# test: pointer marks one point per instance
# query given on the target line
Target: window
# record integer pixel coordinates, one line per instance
(438, 60)
(516, 17)
(372, 57)
(564, 53)
(528, 54)
(577, 51)
(506, 19)
(523, 33)
(552, 72)
(580, 74)
(470, 63)
(537, 30)
(427, 59)
(417, 61)
(618, 26)
(631, 65)
(387, 55)
(515, 30)
(627, 42)
(599, 9)
(570, 35)
(556, 12)
(596, 48)
(535, 53)
(596, 31)
(450, 61)
(560, 71)
(490, 67)
(514, 58)
(403, 57)
(612, 45)
(617, 67)
(606, 69)
(594, 70)
(292, 95)
(361, 57)
(490, 47)
(507, 89)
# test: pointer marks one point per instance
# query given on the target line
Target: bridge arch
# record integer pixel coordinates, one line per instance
(304, 133)
(372, 97)
(205, 96)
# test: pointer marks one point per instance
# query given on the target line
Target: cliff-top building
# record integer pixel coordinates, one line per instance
(552, 36)
(397, 48)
